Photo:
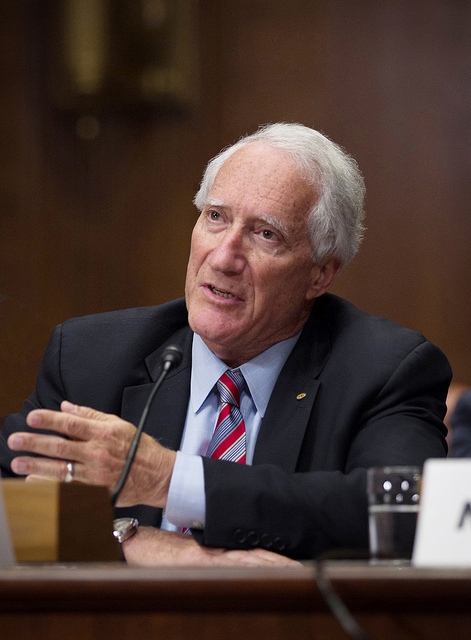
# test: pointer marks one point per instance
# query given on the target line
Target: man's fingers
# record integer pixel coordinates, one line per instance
(254, 557)
(67, 424)
(85, 412)
(52, 446)
(155, 547)
(98, 443)
(42, 468)
(74, 421)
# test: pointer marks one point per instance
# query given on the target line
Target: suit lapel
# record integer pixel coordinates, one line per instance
(167, 413)
(286, 419)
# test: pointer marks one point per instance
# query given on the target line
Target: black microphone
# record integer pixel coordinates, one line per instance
(171, 358)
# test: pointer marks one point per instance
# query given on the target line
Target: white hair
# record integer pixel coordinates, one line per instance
(335, 222)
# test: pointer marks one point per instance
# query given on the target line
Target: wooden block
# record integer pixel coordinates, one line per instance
(58, 522)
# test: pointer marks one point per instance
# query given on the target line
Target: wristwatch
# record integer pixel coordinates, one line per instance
(124, 528)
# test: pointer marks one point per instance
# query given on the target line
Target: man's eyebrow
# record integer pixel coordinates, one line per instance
(215, 202)
(275, 223)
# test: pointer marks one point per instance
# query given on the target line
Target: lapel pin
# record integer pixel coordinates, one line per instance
(300, 396)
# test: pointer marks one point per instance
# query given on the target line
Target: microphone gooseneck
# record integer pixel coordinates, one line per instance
(171, 358)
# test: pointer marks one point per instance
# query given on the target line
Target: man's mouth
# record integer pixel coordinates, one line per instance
(219, 292)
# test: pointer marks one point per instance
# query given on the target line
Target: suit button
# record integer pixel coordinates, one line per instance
(239, 536)
(266, 541)
(253, 538)
(279, 544)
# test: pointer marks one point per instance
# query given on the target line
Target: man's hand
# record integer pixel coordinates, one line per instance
(154, 547)
(97, 443)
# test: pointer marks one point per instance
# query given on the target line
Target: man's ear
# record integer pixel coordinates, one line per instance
(322, 277)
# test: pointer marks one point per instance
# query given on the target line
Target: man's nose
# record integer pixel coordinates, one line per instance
(229, 252)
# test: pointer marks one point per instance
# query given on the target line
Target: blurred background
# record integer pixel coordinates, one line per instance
(110, 109)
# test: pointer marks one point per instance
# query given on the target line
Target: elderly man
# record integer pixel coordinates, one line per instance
(315, 391)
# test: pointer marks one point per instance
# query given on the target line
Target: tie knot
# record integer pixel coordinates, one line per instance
(230, 386)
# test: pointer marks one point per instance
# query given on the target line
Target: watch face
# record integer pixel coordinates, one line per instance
(121, 524)
(124, 528)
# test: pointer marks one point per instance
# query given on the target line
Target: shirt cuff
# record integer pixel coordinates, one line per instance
(186, 502)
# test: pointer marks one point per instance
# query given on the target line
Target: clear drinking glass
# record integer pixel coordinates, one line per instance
(393, 506)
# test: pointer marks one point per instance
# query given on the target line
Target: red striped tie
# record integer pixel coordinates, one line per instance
(228, 441)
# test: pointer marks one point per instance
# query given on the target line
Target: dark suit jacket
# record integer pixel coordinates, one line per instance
(461, 427)
(357, 391)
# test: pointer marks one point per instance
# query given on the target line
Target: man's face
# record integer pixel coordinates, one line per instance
(250, 279)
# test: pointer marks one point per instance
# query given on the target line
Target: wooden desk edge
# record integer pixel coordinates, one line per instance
(113, 587)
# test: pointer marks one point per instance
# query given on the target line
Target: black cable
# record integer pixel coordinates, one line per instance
(171, 358)
(335, 603)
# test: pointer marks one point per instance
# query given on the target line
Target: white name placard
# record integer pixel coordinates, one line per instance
(443, 536)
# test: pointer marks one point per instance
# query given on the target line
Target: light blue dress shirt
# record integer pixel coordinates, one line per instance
(186, 499)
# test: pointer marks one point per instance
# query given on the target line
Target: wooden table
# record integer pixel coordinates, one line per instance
(117, 602)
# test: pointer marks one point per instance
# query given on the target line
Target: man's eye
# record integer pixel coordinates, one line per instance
(268, 234)
(214, 215)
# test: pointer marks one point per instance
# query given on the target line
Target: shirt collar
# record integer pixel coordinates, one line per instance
(260, 373)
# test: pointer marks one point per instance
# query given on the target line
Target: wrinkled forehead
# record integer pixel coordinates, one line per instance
(265, 171)
(260, 154)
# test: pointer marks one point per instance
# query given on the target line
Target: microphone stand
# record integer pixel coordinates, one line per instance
(172, 356)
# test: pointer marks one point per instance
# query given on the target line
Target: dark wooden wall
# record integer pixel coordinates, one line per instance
(92, 226)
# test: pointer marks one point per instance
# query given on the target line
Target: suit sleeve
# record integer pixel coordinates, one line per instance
(392, 419)
(461, 427)
(49, 393)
